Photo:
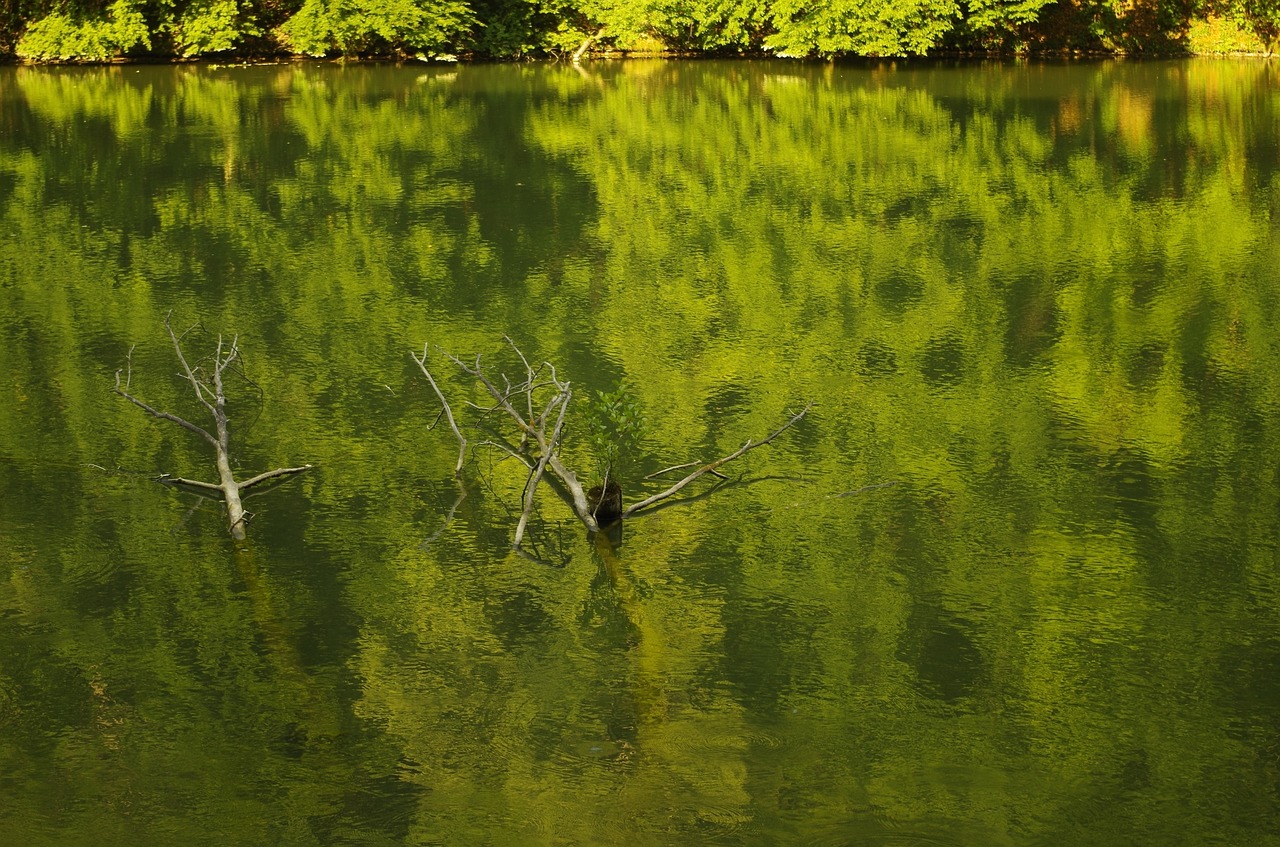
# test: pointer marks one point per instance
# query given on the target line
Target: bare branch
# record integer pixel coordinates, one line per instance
(278, 472)
(201, 487)
(448, 411)
(531, 487)
(579, 497)
(708, 468)
(525, 361)
(551, 404)
(511, 392)
(529, 375)
(511, 453)
(503, 402)
(182, 422)
(206, 382)
(680, 468)
(220, 364)
(539, 449)
(537, 433)
(128, 377)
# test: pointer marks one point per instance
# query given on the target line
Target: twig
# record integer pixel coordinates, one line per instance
(448, 411)
(196, 385)
(190, 483)
(528, 371)
(511, 453)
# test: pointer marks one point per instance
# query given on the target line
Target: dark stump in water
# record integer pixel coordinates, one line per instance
(606, 503)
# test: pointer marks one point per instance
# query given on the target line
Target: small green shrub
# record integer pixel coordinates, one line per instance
(615, 426)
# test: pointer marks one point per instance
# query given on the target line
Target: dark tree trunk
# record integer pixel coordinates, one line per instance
(606, 503)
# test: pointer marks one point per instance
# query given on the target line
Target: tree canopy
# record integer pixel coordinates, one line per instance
(98, 31)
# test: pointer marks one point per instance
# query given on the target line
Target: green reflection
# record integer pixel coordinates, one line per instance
(1038, 300)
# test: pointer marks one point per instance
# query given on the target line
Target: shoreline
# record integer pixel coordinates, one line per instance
(617, 55)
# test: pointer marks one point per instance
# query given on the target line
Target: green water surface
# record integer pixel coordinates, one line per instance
(1013, 581)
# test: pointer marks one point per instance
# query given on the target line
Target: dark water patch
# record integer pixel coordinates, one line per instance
(767, 653)
(1253, 691)
(877, 359)
(1149, 275)
(941, 650)
(1145, 365)
(943, 362)
(519, 618)
(1032, 327)
(898, 291)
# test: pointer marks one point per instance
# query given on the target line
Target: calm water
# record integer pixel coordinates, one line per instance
(1038, 306)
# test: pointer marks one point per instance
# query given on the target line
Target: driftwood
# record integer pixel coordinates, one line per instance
(206, 383)
(538, 405)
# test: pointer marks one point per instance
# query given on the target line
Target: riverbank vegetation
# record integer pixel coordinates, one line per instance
(108, 30)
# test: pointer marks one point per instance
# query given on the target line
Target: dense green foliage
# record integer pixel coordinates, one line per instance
(1258, 17)
(96, 30)
(1050, 321)
(63, 34)
(353, 27)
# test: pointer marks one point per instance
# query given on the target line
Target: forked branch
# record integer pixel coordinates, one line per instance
(535, 476)
(711, 467)
(123, 391)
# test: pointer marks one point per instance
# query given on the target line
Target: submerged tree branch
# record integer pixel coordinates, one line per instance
(710, 468)
(267, 475)
(207, 385)
(531, 406)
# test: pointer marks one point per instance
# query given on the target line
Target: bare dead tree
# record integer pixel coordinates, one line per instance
(206, 381)
(538, 405)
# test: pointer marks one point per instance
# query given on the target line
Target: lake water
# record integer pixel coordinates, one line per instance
(1013, 581)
